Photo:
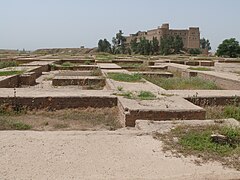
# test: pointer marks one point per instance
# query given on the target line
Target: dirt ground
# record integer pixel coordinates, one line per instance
(68, 119)
(121, 154)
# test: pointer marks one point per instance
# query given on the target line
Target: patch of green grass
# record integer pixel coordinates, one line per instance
(125, 77)
(120, 88)
(5, 64)
(223, 112)
(87, 62)
(200, 141)
(146, 95)
(53, 67)
(142, 95)
(232, 112)
(200, 68)
(10, 73)
(104, 57)
(196, 140)
(20, 126)
(67, 64)
(193, 83)
(9, 124)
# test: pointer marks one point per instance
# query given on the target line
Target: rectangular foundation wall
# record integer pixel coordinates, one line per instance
(56, 103)
(132, 116)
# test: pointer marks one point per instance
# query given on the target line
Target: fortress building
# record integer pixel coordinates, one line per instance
(190, 37)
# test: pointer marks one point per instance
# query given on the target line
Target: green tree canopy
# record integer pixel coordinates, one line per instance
(104, 46)
(205, 44)
(178, 44)
(229, 48)
(119, 43)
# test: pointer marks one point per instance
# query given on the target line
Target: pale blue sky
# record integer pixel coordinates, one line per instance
(33, 24)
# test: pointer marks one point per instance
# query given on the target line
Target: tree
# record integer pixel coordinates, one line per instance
(144, 47)
(205, 44)
(155, 45)
(119, 42)
(134, 45)
(178, 44)
(104, 46)
(229, 47)
(195, 51)
(165, 45)
(171, 45)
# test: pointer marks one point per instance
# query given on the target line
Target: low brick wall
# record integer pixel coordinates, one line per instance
(214, 101)
(41, 69)
(128, 61)
(207, 63)
(79, 81)
(192, 63)
(79, 61)
(60, 102)
(75, 68)
(10, 82)
(27, 79)
(132, 116)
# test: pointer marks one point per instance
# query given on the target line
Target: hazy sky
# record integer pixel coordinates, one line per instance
(33, 24)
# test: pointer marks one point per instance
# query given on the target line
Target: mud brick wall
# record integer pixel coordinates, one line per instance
(192, 63)
(214, 101)
(76, 61)
(207, 63)
(56, 103)
(41, 69)
(10, 82)
(128, 61)
(75, 68)
(27, 79)
(79, 82)
(132, 116)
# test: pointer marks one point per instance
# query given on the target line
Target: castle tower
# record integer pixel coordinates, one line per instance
(193, 38)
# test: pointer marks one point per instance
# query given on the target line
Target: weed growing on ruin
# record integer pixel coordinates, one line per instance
(196, 140)
(193, 83)
(67, 64)
(104, 57)
(10, 73)
(87, 62)
(223, 112)
(5, 64)
(232, 112)
(9, 124)
(146, 95)
(53, 67)
(125, 77)
(120, 88)
(142, 95)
